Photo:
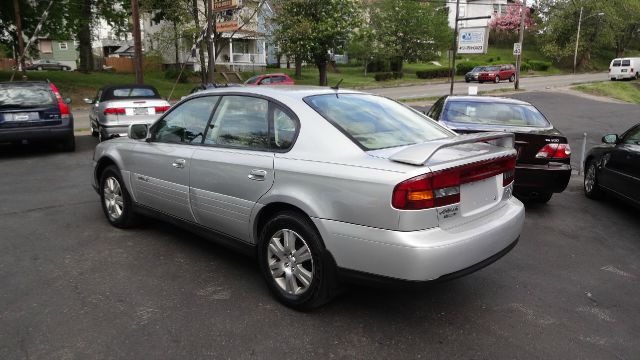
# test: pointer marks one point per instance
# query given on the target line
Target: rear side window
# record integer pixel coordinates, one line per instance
(626, 62)
(616, 63)
(472, 112)
(375, 122)
(25, 96)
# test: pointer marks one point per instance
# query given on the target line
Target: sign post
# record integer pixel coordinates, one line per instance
(466, 36)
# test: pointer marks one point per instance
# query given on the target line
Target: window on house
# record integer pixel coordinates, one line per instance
(496, 8)
(45, 47)
(63, 46)
(241, 46)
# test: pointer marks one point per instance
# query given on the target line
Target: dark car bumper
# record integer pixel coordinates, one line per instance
(471, 77)
(548, 178)
(59, 131)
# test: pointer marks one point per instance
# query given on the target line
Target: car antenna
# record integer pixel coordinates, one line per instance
(337, 86)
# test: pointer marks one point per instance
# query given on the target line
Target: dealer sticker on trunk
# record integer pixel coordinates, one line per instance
(448, 212)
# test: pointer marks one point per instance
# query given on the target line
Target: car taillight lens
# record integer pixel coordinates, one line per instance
(161, 109)
(64, 108)
(114, 111)
(554, 151)
(442, 188)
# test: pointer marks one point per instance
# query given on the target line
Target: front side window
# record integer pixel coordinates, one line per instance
(486, 113)
(252, 80)
(632, 137)
(375, 122)
(240, 121)
(266, 81)
(186, 123)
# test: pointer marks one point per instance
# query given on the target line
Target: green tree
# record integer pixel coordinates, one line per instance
(364, 46)
(311, 29)
(411, 30)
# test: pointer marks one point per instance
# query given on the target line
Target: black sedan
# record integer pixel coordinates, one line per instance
(543, 166)
(614, 167)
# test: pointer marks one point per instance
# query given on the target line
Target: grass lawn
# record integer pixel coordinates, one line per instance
(628, 91)
(78, 86)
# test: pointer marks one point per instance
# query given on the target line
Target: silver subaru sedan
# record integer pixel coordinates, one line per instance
(321, 185)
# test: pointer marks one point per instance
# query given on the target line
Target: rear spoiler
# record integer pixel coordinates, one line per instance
(419, 154)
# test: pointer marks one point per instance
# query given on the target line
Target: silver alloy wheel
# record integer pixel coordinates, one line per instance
(590, 178)
(113, 200)
(290, 262)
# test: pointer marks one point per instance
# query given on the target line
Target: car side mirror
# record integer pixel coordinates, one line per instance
(67, 100)
(88, 101)
(610, 139)
(138, 131)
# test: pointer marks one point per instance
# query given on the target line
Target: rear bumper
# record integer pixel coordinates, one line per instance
(45, 132)
(423, 255)
(551, 178)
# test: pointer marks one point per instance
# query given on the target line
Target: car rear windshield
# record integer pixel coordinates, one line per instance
(130, 92)
(616, 63)
(475, 112)
(375, 122)
(626, 62)
(26, 95)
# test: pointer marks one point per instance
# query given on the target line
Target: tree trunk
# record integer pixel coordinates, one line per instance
(298, 67)
(279, 59)
(322, 71)
(210, 50)
(20, 57)
(176, 45)
(203, 69)
(84, 37)
(366, 62)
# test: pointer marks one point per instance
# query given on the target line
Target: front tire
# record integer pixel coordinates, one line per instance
(298, 269)
(497, 80)
(591, 188)
(115, 199)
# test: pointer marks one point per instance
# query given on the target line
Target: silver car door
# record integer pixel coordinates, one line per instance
(234, 168)
(160, 167)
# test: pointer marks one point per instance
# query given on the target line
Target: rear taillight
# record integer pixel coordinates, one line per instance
(161, 109)
(64, 108)
(114, 111)
(442, 188)
(554, 151)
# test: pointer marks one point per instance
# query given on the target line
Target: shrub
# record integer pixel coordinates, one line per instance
(433, 73)
(378, 65)
(172, 74)
(540, 65)
(525, 66)
(395, 65)
(384, 76)
(464, 67)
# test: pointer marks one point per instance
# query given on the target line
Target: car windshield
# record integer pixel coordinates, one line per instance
(375, 122)
(478, 69)
(492, 68)
(491, 113)
(252, 80)
(23, 96)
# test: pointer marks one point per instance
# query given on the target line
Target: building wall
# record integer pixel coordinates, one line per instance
(472, 8)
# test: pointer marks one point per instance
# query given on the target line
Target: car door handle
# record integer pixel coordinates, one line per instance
(179, 163)
(257, 175)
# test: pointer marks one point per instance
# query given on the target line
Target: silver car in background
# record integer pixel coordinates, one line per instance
(321, 185)
(116, 107)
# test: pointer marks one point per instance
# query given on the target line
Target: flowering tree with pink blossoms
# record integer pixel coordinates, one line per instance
(510, 20)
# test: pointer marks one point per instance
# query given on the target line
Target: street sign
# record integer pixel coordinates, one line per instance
(517, 48)
(473, 40)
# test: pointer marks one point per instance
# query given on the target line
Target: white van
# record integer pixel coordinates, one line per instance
(624, 68)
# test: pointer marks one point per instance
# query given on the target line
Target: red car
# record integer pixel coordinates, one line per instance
(496, 73)
(270, 79)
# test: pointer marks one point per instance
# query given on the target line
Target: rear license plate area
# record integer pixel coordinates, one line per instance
(140, 111)
(623, 70)
(478, 195)
(23, 116)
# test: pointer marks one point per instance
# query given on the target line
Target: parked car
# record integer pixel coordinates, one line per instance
(35, 111)
(473, 74)
(614, 167)
(624, 68)
(116, 107)
(544, 155)
(497, 73)
(270, 79)
(320, 184)
(46, 64)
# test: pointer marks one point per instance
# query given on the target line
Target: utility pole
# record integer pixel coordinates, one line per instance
(575, 53)
(20, 58)
(455, 48)
(519, 56)
(137, 42)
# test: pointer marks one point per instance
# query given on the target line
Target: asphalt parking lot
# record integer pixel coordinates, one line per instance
(73, 287)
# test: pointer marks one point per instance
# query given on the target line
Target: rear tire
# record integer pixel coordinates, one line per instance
(115, 199)
(543, 198)
(298, 269)
(591, 188)
(512, 78)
